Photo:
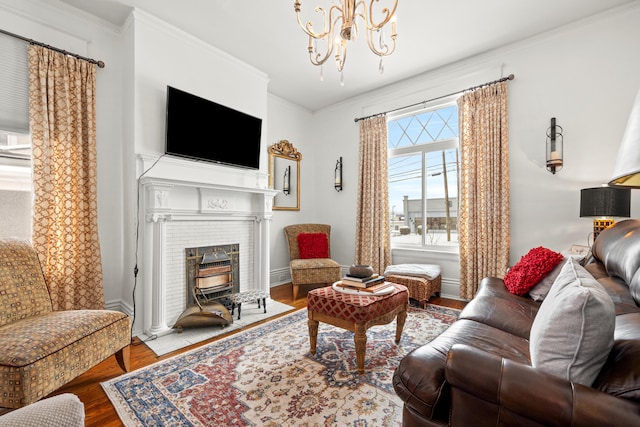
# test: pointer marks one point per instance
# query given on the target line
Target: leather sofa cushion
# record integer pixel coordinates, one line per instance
(420, 377)
(495, 306)
(616, 288)
(572, 335)
(618, 248)
(619, 376)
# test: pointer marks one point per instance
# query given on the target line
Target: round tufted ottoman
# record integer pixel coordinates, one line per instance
(356, 313)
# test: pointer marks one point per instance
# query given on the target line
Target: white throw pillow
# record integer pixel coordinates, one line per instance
(572, 334)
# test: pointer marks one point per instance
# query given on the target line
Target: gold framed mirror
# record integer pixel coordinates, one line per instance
(284, 175)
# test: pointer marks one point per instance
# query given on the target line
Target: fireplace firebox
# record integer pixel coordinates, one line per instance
(212, 273)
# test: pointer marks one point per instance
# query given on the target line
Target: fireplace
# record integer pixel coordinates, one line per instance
(193, 205)
(212, 272)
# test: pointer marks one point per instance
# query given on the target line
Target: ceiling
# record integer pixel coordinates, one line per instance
(265, 34)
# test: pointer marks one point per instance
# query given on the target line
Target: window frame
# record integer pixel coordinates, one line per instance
(15, 170)
(422, 150)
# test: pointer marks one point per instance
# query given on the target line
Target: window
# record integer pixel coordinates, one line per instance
(15, 143)
(424, 170)
(15, 149)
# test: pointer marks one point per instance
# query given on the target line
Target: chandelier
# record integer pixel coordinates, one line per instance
(339, 26)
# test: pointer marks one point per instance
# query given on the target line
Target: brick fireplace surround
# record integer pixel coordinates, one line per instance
(189, 204)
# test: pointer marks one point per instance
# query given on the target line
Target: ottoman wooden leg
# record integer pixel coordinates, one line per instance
(360, 339)
(313, 335)
(402, 316)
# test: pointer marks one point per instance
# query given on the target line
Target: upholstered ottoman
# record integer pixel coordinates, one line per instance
(356, 313)
(248, 296)
(422, 280)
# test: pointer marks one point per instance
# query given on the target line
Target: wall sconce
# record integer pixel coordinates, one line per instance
(604, 203)
(286, 181)
(554, 147)
(338, 175)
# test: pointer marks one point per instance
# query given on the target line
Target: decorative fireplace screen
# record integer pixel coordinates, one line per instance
(212, 272)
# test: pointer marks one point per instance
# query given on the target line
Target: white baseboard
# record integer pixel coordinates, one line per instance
(279, 276)
(450, 288)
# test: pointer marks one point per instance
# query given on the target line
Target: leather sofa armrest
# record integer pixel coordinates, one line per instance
(500, 391)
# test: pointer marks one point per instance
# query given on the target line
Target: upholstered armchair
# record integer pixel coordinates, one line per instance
(43, 349)
(310, 256)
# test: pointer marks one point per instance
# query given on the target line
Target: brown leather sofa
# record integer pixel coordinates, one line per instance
(479, 371)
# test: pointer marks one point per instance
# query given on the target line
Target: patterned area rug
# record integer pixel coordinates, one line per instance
(250, 314)
(265, 376)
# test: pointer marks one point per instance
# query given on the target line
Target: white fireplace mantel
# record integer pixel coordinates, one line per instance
(175, 190)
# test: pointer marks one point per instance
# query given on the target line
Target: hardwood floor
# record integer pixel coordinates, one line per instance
(99, 410)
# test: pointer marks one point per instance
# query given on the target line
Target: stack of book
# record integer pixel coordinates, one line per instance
(373, 283)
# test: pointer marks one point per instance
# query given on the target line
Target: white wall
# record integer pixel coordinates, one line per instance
(164, 55)
(85, 35)
(291, 122)
(586, 75)
(12, 225)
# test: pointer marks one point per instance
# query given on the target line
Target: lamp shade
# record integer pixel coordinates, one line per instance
(605, 202)
(626, 172)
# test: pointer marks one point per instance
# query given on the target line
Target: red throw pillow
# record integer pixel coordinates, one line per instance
(531, 268)
(313, 245)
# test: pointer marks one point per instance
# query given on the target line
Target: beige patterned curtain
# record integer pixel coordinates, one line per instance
(63, 131)
(372, 222)
(484, 186)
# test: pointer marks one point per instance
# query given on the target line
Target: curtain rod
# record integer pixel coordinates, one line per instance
(100, 64)
(509, 77)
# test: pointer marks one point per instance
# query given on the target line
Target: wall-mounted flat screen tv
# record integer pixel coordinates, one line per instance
(197, 128)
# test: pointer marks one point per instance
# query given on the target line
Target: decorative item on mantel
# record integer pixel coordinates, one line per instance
(339, 26)
(554, 147)
(338, 175)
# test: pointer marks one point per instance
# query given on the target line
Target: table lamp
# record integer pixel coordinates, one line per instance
(626, 172)
(604, 203)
